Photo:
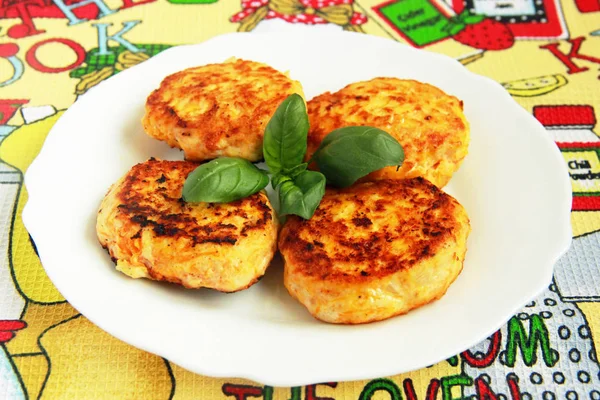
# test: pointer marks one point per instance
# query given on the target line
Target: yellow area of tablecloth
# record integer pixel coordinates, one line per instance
(61, 355)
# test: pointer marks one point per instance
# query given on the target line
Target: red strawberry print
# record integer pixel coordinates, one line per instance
(486, 35)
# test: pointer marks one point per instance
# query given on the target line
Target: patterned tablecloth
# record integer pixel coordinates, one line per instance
(545, 52)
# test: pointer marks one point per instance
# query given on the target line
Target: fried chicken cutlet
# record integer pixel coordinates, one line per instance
(374, 250)
(150, 232)
(428, 123)
(217, 110)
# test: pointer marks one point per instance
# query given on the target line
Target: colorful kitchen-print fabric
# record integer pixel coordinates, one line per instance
(546, 53)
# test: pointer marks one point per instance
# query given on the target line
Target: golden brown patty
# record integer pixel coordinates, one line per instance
(151, 233)
(428, 123)
(375, 250)
(218, 109)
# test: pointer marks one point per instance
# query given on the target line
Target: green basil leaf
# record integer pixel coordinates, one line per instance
(278, 179)
(347, 154)
(297, 170)
(302, 195)
(284, 144)
(289, 175)
(223, 180)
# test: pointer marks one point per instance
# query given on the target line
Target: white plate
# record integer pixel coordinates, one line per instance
(513, 184)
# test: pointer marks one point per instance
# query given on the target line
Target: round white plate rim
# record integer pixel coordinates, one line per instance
(248, 369)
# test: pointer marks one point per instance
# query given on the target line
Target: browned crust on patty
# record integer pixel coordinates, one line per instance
(150, 197)
(424, 224)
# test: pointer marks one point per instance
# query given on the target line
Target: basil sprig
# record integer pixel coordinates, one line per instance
(223, 180)
(344, 156)
(348, 154)
(284, 146)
